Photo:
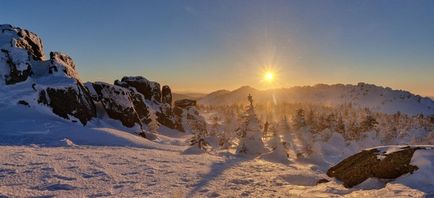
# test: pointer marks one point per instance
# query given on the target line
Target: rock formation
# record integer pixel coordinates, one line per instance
(22, 60)
(55, 83)
(374, 163)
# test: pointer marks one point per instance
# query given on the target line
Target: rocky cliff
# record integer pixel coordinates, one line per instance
(28, 78)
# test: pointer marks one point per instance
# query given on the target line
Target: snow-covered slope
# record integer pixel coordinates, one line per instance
(377, 98)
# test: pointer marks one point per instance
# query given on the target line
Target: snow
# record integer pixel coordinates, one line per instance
(91, 171)
(43, 155)
(421, 179)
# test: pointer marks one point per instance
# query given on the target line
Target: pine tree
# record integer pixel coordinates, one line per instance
(340, 125)
(299, 120)
(230, 125)
(250, 132)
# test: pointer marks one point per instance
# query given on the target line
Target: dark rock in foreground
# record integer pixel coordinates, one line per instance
(69, 101)
(374, 163)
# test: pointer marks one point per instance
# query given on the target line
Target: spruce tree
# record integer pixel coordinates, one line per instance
(250, 132)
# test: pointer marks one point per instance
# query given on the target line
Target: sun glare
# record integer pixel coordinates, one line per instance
(269, 76)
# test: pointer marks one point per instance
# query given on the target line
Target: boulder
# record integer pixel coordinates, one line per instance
(121, 103)
(149, 89)
(73, 100)
(166, 95)
(374, 163)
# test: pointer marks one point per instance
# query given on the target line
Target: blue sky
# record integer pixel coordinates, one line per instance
(208, 45)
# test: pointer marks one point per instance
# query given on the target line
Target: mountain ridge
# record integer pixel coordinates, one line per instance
(364, 95)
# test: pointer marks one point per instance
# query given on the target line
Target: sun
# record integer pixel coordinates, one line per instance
(269, 76)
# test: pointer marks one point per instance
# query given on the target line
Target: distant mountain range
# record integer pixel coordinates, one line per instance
(377, 98)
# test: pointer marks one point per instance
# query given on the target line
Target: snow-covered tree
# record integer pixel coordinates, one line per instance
(250, 132)
(153, 125)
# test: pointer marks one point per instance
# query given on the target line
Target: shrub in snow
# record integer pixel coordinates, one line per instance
(198, 144)
(251, 134)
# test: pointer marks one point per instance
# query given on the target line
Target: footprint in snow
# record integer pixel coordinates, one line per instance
(64, 178)
(56, 187)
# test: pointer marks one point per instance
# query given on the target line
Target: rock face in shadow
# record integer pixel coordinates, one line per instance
(120, 103)
(149, 89)
(166, 95)
(373, 163)
(69, 101)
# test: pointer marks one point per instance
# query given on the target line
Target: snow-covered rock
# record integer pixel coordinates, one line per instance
(188, 118)
(19, 48)
(55, 82)
(387, 162)
(150, 90)
(121, 103)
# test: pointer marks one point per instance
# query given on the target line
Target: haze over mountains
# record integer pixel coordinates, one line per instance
(362, 95)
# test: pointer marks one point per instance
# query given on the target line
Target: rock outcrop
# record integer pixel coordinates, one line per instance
(166, 95)
(374, 163)
(56, 83)
(187, 118)
(22, 60)
(68, 101)
(149, 89)
(120, 103)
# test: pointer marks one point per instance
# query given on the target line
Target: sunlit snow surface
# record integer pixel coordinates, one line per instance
(44, 155)
(95, 161)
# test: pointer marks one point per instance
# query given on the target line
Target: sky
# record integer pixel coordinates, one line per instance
(204, 45)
